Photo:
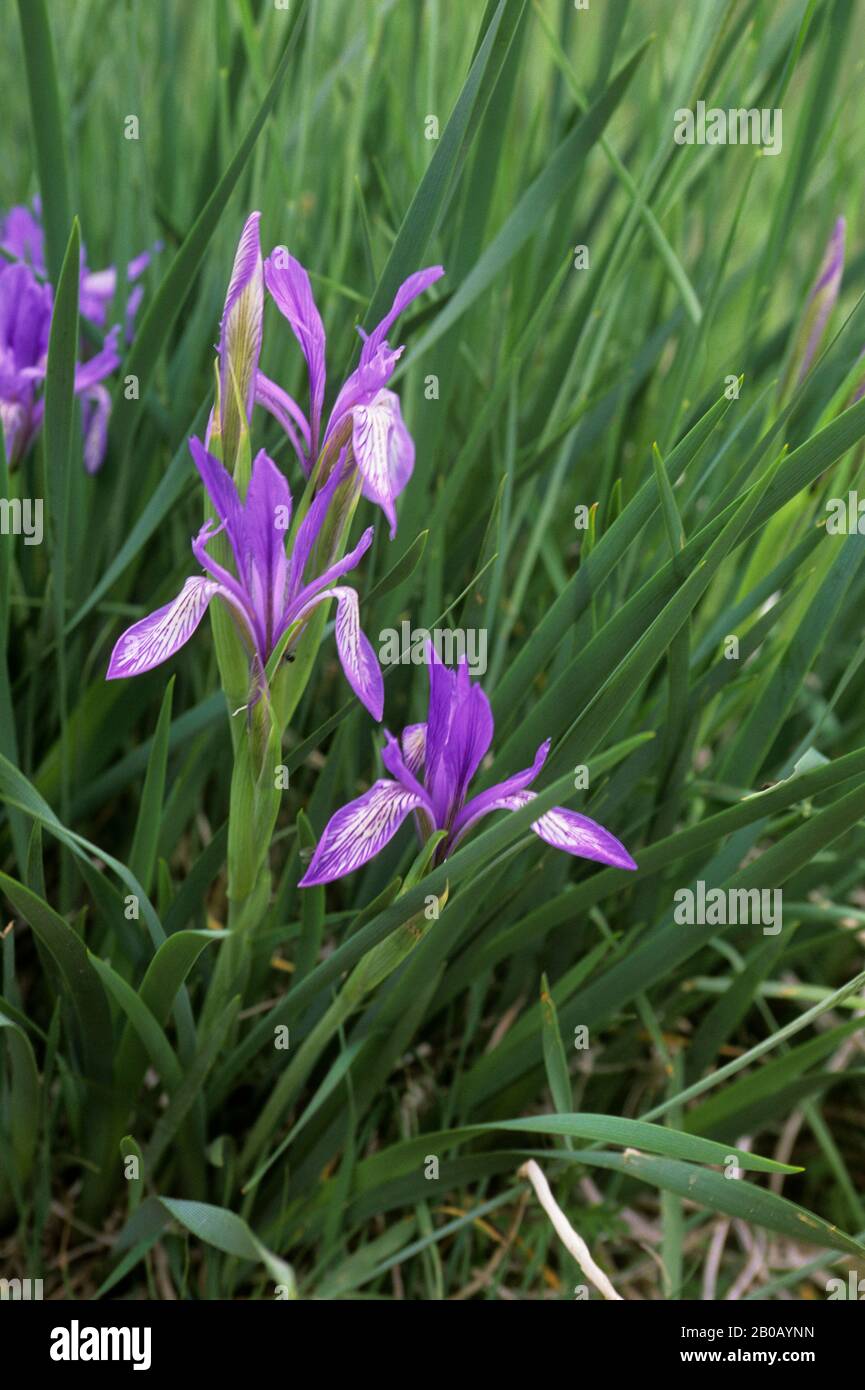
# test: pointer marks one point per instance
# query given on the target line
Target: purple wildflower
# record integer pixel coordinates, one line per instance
(366, 416)
(22, 237)
(432, 766)
(25, 323)
(267, 594)
(26, 303)
(821, 301)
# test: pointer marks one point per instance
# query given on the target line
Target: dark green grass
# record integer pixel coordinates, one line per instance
(377, 1155)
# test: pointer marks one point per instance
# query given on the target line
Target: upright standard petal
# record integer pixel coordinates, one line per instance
(440, 775)
(496, 798)
(158, 636)
(408, 291)
(326, 579)
(307, 535)
(471, 730)
(377, 360)
(289, 287)
(267, 515)
(240, 334)
(357, 832)
(223, 494)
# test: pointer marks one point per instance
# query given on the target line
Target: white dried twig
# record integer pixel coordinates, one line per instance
(713, 1259)
(573, 1243)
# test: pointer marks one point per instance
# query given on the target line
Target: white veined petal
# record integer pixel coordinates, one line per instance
(357, 832)
(579, 835)
(155, 638)
(358, 659)
(383, 451)
(359, 662)
(414, 747)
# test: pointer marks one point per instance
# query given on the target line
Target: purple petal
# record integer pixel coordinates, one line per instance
(409, 290)
(327, 577)
(98, 288)
(377, 360)
(357, 832)
(101, 365)
(359, 661)
(100, 283)
(158, 636)
(288, 284)
(440, 774)
(223, 494)
(391, 756)
(23, 238)
(566, 830)
(821, 300)
(362, 386)
(576, 834)
(266, 517)
(240, 330)
(401, 459)
(383, 451)
(471, 730)
(286, 412)
(25, 319)
(414, 747)
(95, 293)
(496, 798)
(563, 829)
(17, 426)
(232, 587)
(307, 535)
(139, 263)
(96, 412)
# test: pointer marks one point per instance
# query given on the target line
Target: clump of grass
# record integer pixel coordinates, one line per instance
(509, 1073)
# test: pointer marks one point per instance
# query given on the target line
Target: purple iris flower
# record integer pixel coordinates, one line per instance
(26, 303)
(821, 301)
(366, 417)
(267, 594)
(432, 766)
(25, 323)
(22, 237)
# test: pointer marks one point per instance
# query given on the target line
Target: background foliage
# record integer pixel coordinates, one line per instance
(557, 387)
